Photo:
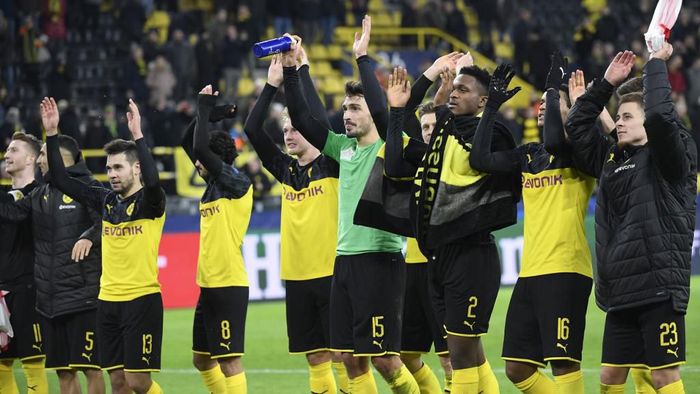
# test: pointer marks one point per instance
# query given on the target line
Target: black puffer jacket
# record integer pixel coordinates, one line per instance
(63, 286)
(645, 211)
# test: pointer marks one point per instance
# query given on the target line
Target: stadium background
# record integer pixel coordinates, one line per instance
(92, 55)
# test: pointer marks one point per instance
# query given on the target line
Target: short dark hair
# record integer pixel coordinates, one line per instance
(632, 85)
(69, 144)
(483, 78)
(33, 142)
(119, 145)
(354, 88)
(222, 145)
(634, 97)
(427, 108)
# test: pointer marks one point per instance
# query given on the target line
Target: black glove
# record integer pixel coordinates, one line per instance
(557, 69)
(221, 112)
(498, 88)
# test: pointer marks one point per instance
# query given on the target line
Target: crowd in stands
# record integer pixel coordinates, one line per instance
(92, 55)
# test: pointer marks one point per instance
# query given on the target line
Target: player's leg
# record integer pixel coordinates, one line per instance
(435, 303)
(142, 319)
(28, 338)
(109, 335)
(95, 380)
(663, 329)
(117, 381)
(226, 333)
(343, 381)
(83, 349)
(68, 381)
(57, 351)
(623, 347)
(8, 384)
(643, 382)
(211, 373)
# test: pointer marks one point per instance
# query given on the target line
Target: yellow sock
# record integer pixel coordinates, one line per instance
(427, 381)
(570, 383)
(7, 380)
(343, 380)
(37, 381)
(448, 383)
(363, 384)
(215, 380)
(465, 381)
(321, 378)
(643, 383)
(154, 389)
(537, 383)
(488, 384)
(673, 388)
(612, 388)
(237, 384)
(402, 382)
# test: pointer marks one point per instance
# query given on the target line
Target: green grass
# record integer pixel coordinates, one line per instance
(271, 370)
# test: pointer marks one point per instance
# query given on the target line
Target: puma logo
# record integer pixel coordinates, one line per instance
(32, 388)
(88, 356)
(379, 344)
(674, 352)
(227, 345)
(471, 325)
(343, 392)
(319, 392)
(37, 346)
(559, 345)
(147, 360)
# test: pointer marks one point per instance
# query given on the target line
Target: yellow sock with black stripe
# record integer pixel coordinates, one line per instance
(37, 382)
(673, 388)
(402, 382)
(7, 380)
(215, 380)
(364, 384)
(237, 384)
(427, 381)
(570, 383)
(321, 378)
(488, 384)
(643, 383)
(537, 383)
(154, 389)
(465, 381)
(343, 380)
(612, 388)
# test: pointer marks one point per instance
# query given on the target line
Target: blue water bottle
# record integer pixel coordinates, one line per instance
(273, 46)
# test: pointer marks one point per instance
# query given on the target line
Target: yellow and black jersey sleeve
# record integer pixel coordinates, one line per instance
(225, 212)
(555, 197)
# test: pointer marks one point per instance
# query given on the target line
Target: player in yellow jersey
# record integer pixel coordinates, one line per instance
(219, 320)
(129, 306)
(547, 312)
(308, 229)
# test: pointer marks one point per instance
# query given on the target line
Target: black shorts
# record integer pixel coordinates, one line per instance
(367, 303)
(466, 278)
(308, 303)
(28, 342)
(71, 341)
(219, 321)
(651, 336)
(420, 322)
(130, 333)
(547, 318)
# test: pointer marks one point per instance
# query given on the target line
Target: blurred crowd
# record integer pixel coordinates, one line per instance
(92, 55)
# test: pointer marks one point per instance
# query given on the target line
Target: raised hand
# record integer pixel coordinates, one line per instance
(498, 88)
(221, 112)
(133, 118)
(207, 91)
(620, 68)
(359, 47)
(443, 92)
(302, 58)
(289, 58)
(446, 62)
(557, 70)
(577, 86)
(49, 115)
(465, 61)
(664, 53)
(275, 76)
(399, 90)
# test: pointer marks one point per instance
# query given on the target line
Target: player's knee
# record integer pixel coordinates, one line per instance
(355, 366)
(412, 361)
(318, 358)
(563, 367)
(386, 365)
(613, 375)
(231, 365)
(518, 372)
(202, 362)
(139, 382)
(7, 363)
(666, 376)
(118, 381)
(66, 374)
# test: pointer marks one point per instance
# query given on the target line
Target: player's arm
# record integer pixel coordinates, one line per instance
(311, 128)
(154, 196)
(577, 87)
(318, 110)
(89, 238)
(482, 156)
(662, 124)
(270, 155)
(398, 163)
(206, 99)
(554, 137)
(92, 197)
(218, 113)
(376, 102)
